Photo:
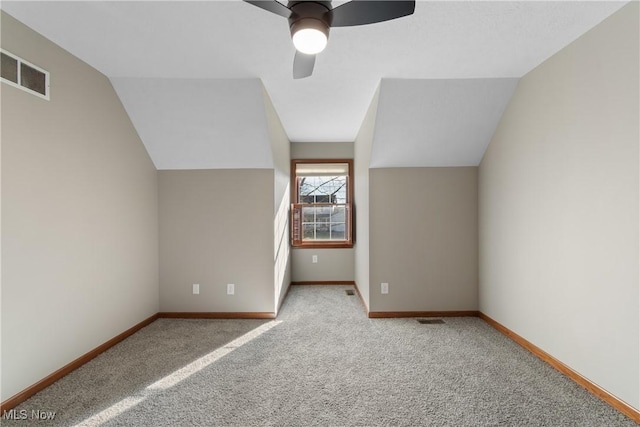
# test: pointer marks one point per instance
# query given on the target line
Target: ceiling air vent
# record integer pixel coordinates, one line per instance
(19, 73)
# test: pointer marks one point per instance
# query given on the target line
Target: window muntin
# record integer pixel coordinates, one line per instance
(322, 189)
(323, 223)
(322, 194)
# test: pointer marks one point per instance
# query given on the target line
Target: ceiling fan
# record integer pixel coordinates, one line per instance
(310, 22)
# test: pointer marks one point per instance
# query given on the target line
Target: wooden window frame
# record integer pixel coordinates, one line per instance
(296, 209)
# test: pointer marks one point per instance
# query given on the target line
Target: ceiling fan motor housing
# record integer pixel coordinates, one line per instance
(310, 14)
(310, 22)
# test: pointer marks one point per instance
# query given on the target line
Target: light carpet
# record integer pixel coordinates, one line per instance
(321, 363)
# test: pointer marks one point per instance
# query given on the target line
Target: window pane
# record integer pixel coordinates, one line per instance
(318, 214)
(324, 223)
(323, 214)
(308, 232)
(308, 214)
(338, 231)
(322, 189)
(341, 197)
(322, 232)
(338, 214)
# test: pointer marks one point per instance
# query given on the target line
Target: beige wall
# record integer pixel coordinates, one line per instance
(559, 208)
(362, 158)
(424, 238)
(79, 216)
(280, 147)
(333, 264)
(322, 150)
(216, 227)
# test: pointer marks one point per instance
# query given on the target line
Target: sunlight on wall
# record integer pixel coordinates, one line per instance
(176, 377)
(281, 245)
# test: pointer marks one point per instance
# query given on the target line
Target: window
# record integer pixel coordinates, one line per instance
(19, 73)
(322, 194)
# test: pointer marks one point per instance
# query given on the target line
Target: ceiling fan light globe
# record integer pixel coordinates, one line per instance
(309, 41)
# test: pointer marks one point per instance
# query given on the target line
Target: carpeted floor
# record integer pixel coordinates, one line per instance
(321, 363)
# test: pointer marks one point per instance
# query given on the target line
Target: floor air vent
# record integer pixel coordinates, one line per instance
(350, 292)
(431, 321)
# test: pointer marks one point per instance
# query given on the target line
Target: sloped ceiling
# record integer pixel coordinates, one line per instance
(437, 122)
(199, 123)
(212, 40)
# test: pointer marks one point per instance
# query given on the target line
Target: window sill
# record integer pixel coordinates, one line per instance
(328, 245)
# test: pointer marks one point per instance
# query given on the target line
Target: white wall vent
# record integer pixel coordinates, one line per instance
(19, 73)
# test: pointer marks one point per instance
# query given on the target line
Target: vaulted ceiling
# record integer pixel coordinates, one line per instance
(447, 72)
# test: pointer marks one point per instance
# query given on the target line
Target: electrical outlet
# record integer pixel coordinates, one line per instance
(196, 289)
(314, 259)
(231, 288)
(384, 288)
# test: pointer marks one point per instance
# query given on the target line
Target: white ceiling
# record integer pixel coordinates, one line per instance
(213, 40)
(437, 122)
(183, 116)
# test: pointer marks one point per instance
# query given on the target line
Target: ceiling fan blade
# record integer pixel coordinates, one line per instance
(272, 6)
(361, 12)
(303, 65)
